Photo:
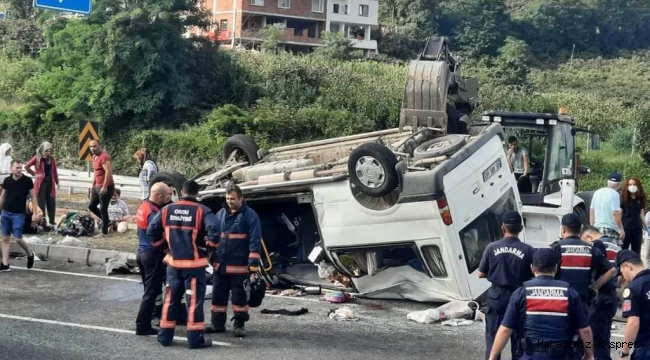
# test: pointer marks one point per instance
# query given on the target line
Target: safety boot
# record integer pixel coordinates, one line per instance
(215, 328)
(239, 330)
(218, 324)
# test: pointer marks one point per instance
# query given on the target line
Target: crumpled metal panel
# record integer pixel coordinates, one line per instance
(405, 283)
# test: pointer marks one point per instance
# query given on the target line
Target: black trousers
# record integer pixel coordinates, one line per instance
(46, 201)
(152, 270)
(222, 285)
(633, 238)
(97, 199)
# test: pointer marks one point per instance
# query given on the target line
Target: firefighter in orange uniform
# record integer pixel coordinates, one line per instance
(184, 225)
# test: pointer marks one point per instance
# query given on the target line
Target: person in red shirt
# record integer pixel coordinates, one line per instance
(103, 185)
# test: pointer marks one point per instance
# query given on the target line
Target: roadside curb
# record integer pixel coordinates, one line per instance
(75, 254)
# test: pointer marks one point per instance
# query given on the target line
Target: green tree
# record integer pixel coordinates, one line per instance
(272, 35)
(477, 27)
(336, 46)
(402, 42)
(22, 9)
(418, 14)
(130, 65)
(20, 38)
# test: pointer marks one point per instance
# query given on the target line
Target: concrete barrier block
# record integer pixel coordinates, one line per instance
(99, 257)
(41, 250)
(68, 253)
(14, 248)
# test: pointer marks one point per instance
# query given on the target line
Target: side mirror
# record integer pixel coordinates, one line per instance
(595, 142)
(583, 170)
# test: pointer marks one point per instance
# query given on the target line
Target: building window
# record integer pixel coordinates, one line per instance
(284, 4)
(363, 10)
(318, 6)
(335, 28)
(257, 2)
(224, 25)
(340, 9)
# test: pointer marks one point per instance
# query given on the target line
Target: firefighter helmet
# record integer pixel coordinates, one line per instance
(257, 292)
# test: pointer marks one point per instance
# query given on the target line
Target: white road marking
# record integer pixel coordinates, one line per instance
(292, 297)
(92, 327)
(135, 280)
(78, 274)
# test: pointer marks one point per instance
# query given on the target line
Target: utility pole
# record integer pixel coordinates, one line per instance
(234, 24)
(572, 51)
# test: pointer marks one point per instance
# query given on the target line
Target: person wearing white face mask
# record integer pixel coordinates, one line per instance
(633, 204)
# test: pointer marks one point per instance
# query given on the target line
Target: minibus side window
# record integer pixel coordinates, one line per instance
(485, 229)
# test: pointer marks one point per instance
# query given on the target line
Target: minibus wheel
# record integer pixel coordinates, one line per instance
(371, 168)
(240, 148)
(173, 179)
(445, 145)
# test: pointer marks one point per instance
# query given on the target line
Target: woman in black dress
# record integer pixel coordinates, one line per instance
(633, 204)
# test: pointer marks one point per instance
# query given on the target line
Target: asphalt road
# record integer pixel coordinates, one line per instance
(47, 314)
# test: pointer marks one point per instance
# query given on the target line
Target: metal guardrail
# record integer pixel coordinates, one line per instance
(78, 182)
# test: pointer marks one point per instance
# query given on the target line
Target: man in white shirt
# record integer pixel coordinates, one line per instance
(519, 162)
(605, 211)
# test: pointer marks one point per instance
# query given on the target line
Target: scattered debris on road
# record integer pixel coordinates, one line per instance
(73, 241)
(119, 264)
(342, 314)
(286, 312)
(336, 297)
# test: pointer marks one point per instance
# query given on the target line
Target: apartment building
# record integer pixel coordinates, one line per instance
(239, 23)
(356, 19)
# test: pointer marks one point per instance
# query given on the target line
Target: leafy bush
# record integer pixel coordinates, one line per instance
(622, 138)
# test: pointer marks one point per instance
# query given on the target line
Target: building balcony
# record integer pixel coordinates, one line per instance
(364, 44)
(290, 35)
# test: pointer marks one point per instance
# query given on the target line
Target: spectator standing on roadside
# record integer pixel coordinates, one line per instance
(15, 189)
(103, 185)
(148, 169)
(43, 168)
(605, 210)
(633, 204)
(5, 158)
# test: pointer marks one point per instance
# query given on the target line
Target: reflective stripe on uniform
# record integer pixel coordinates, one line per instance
(236, 270)
(547, 300)
(576, 257)
(185, 264)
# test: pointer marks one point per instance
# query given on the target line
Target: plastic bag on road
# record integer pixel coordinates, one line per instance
(425, 316)
(452, 310)
(342, 314)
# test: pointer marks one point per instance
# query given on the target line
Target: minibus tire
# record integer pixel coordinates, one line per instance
(447, 145)
(173, 178)
(582, 214)
(245, 145)
(384, 158)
